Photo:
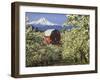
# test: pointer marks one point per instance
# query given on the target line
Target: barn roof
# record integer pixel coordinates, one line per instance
(48, 32)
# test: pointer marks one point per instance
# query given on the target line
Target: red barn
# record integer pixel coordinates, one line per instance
(52, 36)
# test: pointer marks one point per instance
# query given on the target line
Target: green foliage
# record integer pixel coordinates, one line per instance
(38, 53)
(74, 48)
(76, 42)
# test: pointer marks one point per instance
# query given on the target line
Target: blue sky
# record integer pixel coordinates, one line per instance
(55, 18)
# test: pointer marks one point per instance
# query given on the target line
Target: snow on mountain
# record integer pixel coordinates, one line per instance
(42, 21)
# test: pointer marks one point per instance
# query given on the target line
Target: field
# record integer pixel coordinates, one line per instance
(74, 48)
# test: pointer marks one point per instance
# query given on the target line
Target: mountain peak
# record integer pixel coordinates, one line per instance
(42, 21)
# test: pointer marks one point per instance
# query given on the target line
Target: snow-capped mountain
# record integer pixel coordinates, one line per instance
(42, 21)
(43, 24)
